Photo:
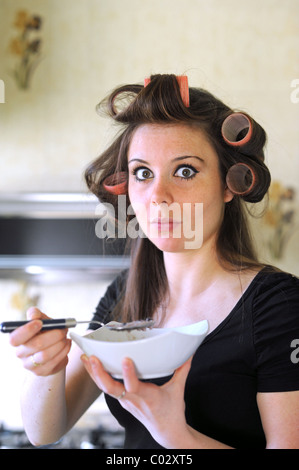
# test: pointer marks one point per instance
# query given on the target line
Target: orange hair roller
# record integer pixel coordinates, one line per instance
(237, 129)
(184, 89)
(116, 184)
(240, 179)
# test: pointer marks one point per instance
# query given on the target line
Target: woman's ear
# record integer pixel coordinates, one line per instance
(228, 195)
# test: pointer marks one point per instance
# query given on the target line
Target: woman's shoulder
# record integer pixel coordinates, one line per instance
(275, 326)
(275, 288)
(270, 277)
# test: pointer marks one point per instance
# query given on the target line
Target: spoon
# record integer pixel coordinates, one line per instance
(61, 323)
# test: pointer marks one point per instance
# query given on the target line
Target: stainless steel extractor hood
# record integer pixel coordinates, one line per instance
(51, 236)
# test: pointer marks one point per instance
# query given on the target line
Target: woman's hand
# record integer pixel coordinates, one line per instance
(44, 353)
(161, 409)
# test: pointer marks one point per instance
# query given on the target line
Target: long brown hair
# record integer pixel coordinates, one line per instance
(160, 102)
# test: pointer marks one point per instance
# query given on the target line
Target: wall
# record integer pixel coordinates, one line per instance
(247, 53)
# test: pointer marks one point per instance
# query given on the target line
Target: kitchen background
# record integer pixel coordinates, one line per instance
(59, 58)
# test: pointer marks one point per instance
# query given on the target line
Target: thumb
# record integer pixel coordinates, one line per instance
(33, 313)
(182, 372)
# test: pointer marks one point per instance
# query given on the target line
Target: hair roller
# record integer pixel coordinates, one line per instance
(117, 183)
(184, 89)
(241, 179)
(243, 134)
(182, 81)
(250, 181)
(237, 129)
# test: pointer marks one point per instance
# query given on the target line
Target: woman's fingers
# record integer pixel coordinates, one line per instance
(24, 333)
(46, 353)
(182, 372)
(42, 342)
(34, 313)
(51, 366)
(43, 352)
(131, 382)
(103, 380)
(176, 385)
(159, 408)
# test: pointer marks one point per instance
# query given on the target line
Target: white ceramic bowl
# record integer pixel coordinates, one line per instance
(156, 352)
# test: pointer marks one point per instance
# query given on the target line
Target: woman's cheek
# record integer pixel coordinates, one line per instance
(139, 210)
(212, 218)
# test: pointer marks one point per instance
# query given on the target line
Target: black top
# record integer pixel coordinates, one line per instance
(249, 352)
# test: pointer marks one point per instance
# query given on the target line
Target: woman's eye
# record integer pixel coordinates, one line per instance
(185, 172)
(142, 174)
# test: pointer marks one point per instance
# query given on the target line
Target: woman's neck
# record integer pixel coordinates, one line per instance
(200, 287)
(191, 272)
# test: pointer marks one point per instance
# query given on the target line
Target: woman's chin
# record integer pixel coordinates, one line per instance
(170, 245)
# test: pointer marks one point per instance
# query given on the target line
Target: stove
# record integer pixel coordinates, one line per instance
(77, 438)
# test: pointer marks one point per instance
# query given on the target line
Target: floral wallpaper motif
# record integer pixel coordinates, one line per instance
(22, 299)
(26, 47)
(279, 218)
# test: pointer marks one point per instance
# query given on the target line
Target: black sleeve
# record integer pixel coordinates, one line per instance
(276, 325)
(109, 300)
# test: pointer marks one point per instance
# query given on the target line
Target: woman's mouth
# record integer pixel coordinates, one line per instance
(159, 225)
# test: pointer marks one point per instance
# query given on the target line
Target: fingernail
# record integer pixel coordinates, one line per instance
(36, 324)
(84, 358)
(31, 310)
(127, 363)
(93, 361)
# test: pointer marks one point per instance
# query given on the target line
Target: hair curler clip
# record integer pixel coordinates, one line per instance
(237, 129)
(117, 183)
(184, 88)
(240, 179)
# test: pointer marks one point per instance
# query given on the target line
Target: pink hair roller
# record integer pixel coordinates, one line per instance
(240, 179)
(233, 125)
(184, 88)
(116, 184)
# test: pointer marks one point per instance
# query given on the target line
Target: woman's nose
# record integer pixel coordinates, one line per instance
(161, 192)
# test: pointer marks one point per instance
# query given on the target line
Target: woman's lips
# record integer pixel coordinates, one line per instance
(165, 224)
(165, 221)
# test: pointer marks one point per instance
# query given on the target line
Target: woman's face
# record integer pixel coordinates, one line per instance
(175, 187)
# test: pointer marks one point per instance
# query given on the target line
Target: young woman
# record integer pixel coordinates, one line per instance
(181, 147)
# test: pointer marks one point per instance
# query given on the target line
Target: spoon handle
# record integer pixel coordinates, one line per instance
(60, 323)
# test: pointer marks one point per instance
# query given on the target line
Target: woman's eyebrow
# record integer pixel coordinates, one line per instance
(137, 160)
(189, 156)
(175, 159)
